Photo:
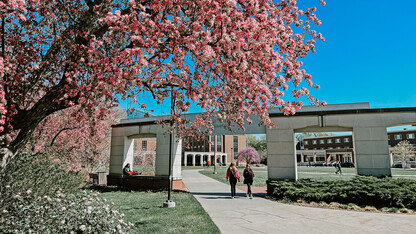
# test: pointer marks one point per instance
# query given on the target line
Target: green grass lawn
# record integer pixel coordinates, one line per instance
(314, 173)
(145, 210)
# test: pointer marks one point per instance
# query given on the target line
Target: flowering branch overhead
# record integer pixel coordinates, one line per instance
(231, 58)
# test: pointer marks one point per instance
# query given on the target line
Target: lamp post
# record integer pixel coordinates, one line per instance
(215, 154)
(169, 203)
(232, 154)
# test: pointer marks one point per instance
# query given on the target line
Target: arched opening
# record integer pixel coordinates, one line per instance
(402, 150)
(144, 155)
(325, 155)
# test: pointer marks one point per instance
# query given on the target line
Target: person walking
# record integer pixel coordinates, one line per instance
(232, 176)
(338, 167)
(248, 179)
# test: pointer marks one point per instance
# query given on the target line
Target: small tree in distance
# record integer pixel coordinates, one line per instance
(248, 154)
(404, 150)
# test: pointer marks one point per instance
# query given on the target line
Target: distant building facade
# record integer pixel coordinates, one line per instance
(225, 148)
(340, 147)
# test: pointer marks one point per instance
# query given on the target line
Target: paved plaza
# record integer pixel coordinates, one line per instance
(259, 215)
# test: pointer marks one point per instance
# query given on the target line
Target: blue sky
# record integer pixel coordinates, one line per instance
(369, 53)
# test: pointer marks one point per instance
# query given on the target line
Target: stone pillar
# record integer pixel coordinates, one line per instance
(281, 160)
(185, 160)
(162, 155)
(201, 160)
(314, 157)
(371, 151)
(193, 159)
(121, 151)
(301, 158)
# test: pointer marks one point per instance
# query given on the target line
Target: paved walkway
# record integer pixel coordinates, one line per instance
(258, 215)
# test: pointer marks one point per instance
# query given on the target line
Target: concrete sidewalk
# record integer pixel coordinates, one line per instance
(258, 215)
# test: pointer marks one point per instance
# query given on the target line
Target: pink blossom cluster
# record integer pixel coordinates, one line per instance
(231, 58)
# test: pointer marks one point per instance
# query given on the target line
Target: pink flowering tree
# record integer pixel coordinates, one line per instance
(232, 58)
(248, 155)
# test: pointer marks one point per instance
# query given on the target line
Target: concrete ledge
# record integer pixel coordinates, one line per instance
(142, 182)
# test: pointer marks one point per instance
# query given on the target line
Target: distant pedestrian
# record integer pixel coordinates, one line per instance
(205, 163)
(248, 179)
(232, 176)
(338, 167)
(220, 163)
(209, 163)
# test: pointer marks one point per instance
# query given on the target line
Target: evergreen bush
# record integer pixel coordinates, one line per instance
(361, 190)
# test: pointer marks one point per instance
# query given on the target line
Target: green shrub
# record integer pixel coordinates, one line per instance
(361, 190)
(39, 196)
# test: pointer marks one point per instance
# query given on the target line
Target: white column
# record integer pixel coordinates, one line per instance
(372, 151)
(201, 160)
(314, 157)
(193, 160)
(301, 157)
(185, 159)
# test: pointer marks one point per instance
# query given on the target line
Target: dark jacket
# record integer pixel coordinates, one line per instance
(126, 171)
(247, 178)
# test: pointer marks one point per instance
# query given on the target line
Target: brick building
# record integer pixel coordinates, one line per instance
(340, 147)
(226, 147)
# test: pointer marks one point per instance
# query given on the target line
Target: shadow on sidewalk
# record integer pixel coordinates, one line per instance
(215, 195)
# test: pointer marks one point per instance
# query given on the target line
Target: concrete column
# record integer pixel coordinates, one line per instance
(281, 160)
(121, 151)
(371, 151)
(201, 160)
(301, 158)
(314, 157)
(162, 155)
(185, 159)
(193, 160)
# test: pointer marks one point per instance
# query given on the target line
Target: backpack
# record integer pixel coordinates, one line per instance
(233, 175)
(249, 174)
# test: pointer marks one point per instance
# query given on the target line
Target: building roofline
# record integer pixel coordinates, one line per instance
(349, 111)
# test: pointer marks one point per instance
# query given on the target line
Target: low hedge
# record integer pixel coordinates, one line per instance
(361, 190)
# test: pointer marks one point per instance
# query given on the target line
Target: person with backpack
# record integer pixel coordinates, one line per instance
(248, 179)
(232, 176)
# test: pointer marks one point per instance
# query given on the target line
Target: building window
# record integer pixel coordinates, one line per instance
(398, 137)
(219, 143)
(329, 141)
(346, 147)
(338, 140)
(144, 145)
(346, 140)
(305, 142)
(338, 147)
(388, 137)
(321, 142)
(212, 143)
(410, 136)
(235, 144)
(314, 142)
(330, 148)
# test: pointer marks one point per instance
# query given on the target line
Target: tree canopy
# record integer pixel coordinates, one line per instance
(232, 58)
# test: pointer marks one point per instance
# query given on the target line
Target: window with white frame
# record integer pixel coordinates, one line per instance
(329, 141)
(321, 142)
(337, 140)
(388, 137)
(410, 136)
(346, 140)
(398, 136)
(305, 142)
(314, 142)
(144, 145)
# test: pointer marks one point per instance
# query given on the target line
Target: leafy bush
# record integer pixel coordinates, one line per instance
(38, 195)
(363, 191)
